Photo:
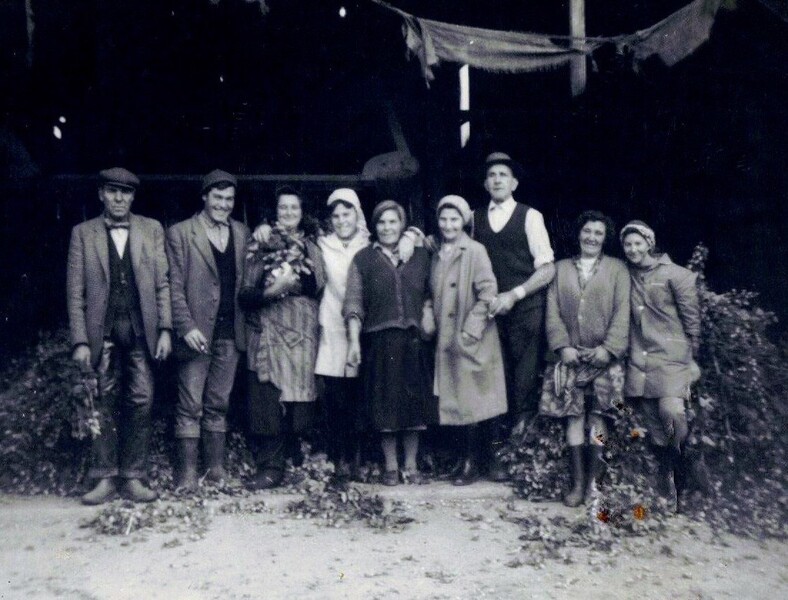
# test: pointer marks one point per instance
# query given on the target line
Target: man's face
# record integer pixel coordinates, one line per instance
(116, 200)
(219, 204)
(500, 183)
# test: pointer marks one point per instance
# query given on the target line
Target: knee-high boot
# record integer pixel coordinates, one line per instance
(469, 472)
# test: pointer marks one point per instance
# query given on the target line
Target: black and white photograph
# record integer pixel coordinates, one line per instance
(407, 299)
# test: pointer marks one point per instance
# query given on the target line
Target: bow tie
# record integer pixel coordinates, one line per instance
(117, 224)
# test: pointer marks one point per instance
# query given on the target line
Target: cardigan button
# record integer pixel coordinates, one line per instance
(453, 284)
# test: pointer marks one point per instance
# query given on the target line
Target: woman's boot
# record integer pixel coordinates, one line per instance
(469, 471)
(596, 470)
(188, 453)
(666, 485)
(577, 468)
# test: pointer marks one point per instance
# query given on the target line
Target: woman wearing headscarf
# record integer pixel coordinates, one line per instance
(587, 323)
(663, 342)
(386, 304)
(340, 383)
(469, 377)
(283, 278)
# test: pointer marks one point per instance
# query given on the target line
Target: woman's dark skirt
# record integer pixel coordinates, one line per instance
(396, 381)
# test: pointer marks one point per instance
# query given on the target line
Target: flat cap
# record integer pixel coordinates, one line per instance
(120, 177)
(216, 177)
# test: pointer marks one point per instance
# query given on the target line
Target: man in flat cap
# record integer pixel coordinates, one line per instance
(206, 255)
(516, 240)
(118, 297)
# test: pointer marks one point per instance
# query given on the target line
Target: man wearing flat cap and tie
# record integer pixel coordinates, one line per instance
(516, 240)
(206, 255)
(118, 297)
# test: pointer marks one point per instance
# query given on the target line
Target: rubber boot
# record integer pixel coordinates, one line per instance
(136, 491)
(596, 470)
(186, 477)
(104, 491)
(469, 471)
(213, 452)
(577, 468)
(666, 485)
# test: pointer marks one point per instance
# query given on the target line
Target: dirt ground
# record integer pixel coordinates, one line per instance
(458, 547)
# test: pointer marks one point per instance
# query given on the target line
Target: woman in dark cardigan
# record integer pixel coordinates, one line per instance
(283, 278)
(387, 310)
(587, 323)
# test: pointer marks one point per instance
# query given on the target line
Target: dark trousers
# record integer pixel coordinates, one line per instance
(125, 382)
(274, 425)
(522, 333)
(340, 413)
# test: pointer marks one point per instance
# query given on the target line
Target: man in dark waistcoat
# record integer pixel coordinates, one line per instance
(516, 240)
(118, 297)
(206, 254)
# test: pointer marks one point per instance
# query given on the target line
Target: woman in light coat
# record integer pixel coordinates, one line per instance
(663, 342)
(469, 376)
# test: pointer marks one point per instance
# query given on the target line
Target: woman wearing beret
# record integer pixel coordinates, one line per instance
(340, 397)
(386, 304)
(587, 323)
(469, 377)
(664, 339)
(283, 278)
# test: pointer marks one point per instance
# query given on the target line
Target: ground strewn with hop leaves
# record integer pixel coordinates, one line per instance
(738, 422)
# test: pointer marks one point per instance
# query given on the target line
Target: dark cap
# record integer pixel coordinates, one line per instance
(501, 158)
(216, 177)
(120, 177)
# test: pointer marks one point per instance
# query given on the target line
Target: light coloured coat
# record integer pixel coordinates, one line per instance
(469, 375)
(87, 281)
(194, 278)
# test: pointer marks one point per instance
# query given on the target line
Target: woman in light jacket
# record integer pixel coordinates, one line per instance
(663, 342)
(340, 383)
(587, 323)
(469, 377)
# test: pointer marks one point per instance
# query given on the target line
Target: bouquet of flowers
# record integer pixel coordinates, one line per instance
(282, 252)
(85, 418)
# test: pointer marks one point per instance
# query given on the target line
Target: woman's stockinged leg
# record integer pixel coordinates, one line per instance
(674, 420)
(575, 430)
(410, 443)
(388, 442)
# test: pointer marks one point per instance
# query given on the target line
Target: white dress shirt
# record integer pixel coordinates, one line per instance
(119, 236)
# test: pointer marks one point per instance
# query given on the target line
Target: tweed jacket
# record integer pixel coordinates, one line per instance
(87, 281)
(194, 279)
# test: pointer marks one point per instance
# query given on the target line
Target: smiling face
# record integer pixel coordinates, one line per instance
(450, 223)
(219, 204)
(637, 250)
(116, 200)
(344, 220)
(389, 228)
(500, 183)
(288, 211)
(592, 239)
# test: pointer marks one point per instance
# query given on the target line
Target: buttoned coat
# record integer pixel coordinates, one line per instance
(664, 330)
(87, 281)
(194, 278)
(469, 376)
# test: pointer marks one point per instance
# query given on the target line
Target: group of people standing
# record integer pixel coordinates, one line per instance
(350, 315)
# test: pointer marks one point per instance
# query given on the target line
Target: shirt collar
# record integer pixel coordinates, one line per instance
(505, 205)
(210, 223)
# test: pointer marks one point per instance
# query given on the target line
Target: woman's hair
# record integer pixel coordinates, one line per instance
(382, 207)
(590, 216)
(309, 223)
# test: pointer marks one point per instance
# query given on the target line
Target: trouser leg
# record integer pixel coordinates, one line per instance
(136, 412)
(104, 447)
(266, 423)
(219, 385)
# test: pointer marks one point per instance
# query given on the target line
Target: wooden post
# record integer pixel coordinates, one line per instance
(577, 28)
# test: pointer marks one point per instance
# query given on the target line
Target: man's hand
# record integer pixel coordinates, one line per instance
(570, 356)
(468, 338)
(354, 354)
(262, 233)
(81, 356)
(196, 341)
(406, 247)
(598, 357)
(428, 322)
(163, 345)
(503, 303)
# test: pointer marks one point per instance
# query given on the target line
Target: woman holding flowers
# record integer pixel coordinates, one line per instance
(587, 323)
(387, 300)
(663, 343)
(283, 278)
(469, 376)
